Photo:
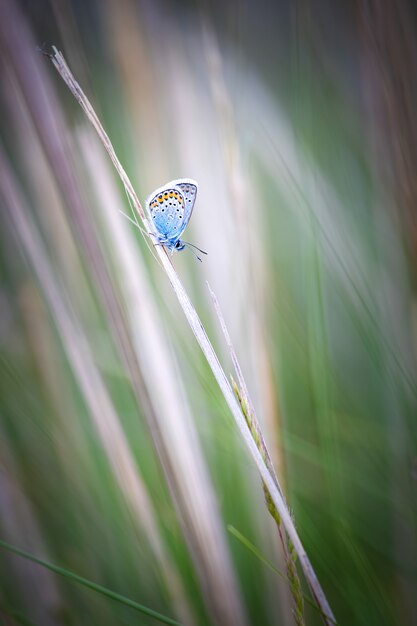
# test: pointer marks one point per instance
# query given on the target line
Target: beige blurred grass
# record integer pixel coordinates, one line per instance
(249, 165)
(171, 434)
(144, 354)
(269, 481)
(93, 388)
(170, 420)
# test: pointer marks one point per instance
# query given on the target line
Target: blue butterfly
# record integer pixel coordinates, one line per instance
(169, 209)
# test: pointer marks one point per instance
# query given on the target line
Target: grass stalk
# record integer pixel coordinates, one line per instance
(204, 342)
(248, 411)
(90, 585)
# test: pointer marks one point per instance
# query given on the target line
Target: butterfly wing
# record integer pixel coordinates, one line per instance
(166, 209)
(189, 191)
(170, 207)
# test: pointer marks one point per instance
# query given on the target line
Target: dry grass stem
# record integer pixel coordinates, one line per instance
(249, 414)
(201, 336)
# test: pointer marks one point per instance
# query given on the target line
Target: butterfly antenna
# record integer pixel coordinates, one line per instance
(196, 255)
(193, 246)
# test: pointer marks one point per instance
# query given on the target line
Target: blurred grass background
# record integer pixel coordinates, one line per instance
(119, 459)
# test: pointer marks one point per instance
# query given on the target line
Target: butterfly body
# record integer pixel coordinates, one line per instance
(169, 209)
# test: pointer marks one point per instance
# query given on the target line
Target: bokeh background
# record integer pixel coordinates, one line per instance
(119, 459)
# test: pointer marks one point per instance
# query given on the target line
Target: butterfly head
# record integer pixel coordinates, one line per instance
(179, 245)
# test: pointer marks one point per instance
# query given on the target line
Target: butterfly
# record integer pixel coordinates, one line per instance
(169, 209)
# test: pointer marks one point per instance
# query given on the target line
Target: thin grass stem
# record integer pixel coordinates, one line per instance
(90, 585)
(204, 342)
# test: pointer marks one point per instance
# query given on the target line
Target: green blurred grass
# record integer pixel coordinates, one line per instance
(312, 273)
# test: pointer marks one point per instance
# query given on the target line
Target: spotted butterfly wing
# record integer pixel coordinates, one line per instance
(189, 190)
(170, 208)
(166, 210)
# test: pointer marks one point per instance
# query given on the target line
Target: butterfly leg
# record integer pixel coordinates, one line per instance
(164, 244)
